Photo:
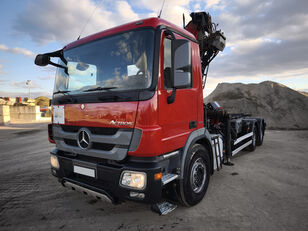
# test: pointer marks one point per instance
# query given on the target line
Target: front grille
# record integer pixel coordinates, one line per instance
(94, 130)
(102, 146)
(70, 142)
(95, 145)
(108, 143)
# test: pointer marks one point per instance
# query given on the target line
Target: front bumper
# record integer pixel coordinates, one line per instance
(88, 190)
(107, 177)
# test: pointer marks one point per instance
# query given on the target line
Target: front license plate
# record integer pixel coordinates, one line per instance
(84, 171)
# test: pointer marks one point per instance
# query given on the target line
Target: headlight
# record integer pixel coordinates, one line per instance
(54, 161)
(133, 180)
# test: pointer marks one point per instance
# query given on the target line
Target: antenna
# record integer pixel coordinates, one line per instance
(161, 9)
(84, 26)
(183, 20)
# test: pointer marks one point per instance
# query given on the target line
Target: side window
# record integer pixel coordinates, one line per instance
(168, 66)
(167, 63)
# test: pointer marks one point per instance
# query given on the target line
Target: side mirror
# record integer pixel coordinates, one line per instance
(42, 60)
(181, 66)
(181, 63)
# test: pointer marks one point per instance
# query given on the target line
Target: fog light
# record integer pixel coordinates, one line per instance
(134, 180)
(54, 161)
(137, 195)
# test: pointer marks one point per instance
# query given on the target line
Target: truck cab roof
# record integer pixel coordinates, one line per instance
(149, 22)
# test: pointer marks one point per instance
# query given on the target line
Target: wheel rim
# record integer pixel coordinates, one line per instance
(198, 175)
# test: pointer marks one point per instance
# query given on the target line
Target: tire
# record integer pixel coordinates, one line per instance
(196, 176)
(252, 146)
(260, 136)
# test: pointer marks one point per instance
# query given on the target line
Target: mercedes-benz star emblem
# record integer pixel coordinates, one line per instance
(83, 139)
(82, 106)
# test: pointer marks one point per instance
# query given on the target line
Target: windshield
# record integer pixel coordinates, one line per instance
(116, 63)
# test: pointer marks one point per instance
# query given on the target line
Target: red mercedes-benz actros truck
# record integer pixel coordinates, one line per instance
(129, 121)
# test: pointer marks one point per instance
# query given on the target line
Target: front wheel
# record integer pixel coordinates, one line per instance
(196, 175)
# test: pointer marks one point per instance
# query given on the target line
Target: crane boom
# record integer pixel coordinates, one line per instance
(211, 41)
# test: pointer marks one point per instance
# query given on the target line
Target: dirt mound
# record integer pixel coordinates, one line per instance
(304, 93)
(42, 101)
(282, 107)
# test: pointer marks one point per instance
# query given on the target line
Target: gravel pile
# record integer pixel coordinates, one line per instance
(282, 107)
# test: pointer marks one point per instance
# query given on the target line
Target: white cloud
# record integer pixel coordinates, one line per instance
(49, 77)
(289, 74)
(22, 84)
(296, 28)
(246, 45)
(211, 3)
(156, 5)
(230, 24)
(59, 21)
(62, 21)
(125, 12)
(175, 14)
(1, 71)
(34, 94)
(17, 50)
(172, 11)
(197, 7)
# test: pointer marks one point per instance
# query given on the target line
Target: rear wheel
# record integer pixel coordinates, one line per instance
(260, 135)
(252, 146)
(196, 176)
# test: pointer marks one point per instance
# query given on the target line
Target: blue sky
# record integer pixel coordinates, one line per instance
(266, 40)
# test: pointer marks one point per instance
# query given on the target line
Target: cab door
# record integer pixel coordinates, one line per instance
(178, 116)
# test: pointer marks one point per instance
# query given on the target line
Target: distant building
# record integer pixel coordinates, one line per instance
(7, 101)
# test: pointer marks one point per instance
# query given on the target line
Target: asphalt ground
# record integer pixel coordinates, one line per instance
(265, 190)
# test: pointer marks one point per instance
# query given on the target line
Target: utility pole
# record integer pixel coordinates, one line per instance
(28, 83)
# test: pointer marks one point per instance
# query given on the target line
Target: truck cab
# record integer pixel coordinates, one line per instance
(124, 104)
(129, 122)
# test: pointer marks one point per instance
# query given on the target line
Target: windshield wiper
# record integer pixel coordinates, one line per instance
(99, 89)
(61, 92)
(65, 93)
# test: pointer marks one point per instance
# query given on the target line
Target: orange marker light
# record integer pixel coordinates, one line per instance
(158, 176)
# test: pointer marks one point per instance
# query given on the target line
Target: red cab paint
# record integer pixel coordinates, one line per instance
(101, 114)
